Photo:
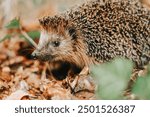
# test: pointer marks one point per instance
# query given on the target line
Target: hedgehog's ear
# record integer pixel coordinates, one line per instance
(72, 32)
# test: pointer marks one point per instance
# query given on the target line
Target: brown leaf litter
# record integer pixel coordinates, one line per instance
(24, 78)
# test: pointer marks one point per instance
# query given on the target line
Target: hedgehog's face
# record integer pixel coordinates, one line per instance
(53, 46)
(61, 41)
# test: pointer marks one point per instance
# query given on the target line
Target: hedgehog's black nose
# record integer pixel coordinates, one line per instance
(34, 55)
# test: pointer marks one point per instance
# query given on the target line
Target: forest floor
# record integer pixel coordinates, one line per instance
(25, 78)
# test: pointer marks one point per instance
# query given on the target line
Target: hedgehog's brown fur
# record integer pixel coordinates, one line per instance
(99, 31)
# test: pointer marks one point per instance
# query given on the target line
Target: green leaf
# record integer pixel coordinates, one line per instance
(32, 34)
(112, 78)
(13, 24)
(8, 36)
(141, 88)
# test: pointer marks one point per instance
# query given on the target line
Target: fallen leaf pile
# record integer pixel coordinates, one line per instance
(24, 78)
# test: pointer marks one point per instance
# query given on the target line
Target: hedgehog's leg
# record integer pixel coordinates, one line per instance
(84, 71)
(82, 82)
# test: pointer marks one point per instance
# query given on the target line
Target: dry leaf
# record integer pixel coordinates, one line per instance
(5, 76)
(17, 95)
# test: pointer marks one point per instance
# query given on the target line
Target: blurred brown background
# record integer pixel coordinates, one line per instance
(30, 10)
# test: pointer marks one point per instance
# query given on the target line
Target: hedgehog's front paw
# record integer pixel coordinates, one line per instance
(82, 82)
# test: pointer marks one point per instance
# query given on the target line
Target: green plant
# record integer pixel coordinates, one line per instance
(15, 25)
(113, 77)
(141, 88)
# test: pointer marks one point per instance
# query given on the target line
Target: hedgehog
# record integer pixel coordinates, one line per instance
(96, 32)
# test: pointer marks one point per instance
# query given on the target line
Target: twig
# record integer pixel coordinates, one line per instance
(29, 38)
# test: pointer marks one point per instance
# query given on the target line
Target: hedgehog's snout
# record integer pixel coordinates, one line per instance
(41, 56)
(35, 54)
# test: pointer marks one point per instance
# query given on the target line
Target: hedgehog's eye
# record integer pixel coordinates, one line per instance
(56, 43)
